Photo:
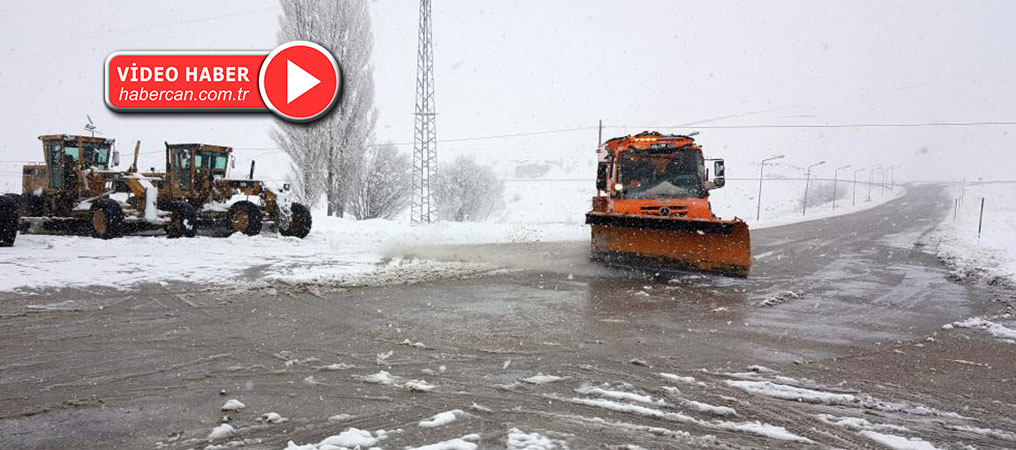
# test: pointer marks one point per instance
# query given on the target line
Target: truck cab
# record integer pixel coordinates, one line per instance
(655, 174)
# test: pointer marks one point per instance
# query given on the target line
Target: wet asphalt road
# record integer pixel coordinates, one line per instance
(847, 306)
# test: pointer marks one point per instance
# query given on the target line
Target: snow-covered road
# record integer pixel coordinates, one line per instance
(835, 341)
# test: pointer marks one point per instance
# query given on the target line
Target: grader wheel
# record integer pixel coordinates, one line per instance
(299, 222)
(245, 217)
(8, 219)
(106, 218)
(183, 221)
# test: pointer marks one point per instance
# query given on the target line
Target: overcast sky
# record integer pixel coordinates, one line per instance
(525, 66)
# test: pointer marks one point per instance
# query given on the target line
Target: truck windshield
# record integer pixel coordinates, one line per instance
(662, 175)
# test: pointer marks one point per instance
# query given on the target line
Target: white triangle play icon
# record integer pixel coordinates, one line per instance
(298, 81)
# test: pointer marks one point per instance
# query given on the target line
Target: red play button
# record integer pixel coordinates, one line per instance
(299, 81)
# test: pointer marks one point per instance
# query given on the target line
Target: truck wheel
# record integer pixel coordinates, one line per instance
(8, 220)
(299, 221)
(106, 217)
(183, 222)
(245, 217)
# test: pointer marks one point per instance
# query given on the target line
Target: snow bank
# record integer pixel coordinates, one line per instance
(993, 255)
(997, 330)
(786, 392)
(754, 427)
(342, 252)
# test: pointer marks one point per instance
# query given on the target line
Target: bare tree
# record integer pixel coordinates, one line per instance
(327, 152)
(466, 191)
(383, 184)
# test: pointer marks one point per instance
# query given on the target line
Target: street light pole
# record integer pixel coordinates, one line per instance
(807, 181)
(871, 179)
(886, 175)
(853, 201)
(761, 172)
(836, 180)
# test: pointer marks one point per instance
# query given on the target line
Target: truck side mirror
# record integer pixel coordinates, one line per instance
(601, 176)
(116, 158)
(720, 173)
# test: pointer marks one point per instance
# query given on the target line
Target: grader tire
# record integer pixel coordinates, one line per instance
(106, 218)
(299, 222)
(8, 219)
(245, 217)
(183, 221)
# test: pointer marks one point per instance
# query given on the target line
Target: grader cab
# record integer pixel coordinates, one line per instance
(76, 168)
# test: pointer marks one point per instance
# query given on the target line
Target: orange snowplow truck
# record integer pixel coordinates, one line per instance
(652, 208)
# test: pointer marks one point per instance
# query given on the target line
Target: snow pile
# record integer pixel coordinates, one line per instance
(992, 433)
(272, 418)
(519, 440)
(681, 379)
(350, 438)
(993, 255)
(709, 409)
(386, 379)
(754, 427)
(233, 405)
(786, 392)
(463, 443)
(587, 389)
(443, 418)
(540, 378)
(857, 423)
(787, 388)
(1004, 333)
(221, 432)
(898, 442)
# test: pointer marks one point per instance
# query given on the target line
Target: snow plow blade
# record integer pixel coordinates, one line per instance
(671, 243)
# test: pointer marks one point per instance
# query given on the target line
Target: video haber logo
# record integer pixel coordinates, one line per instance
(299, 81)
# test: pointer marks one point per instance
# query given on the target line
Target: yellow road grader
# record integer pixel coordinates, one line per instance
(75, 191)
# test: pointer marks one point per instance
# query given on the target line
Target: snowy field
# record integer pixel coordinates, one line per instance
(993, 254)
(346, 252)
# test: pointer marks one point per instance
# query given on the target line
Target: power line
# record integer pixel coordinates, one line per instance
(844, 125)
(463, 139)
